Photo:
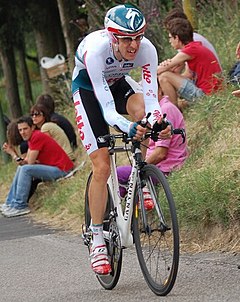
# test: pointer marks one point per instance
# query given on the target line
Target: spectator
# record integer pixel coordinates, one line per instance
(236, 93)
(238, 51)
(60, 120)
(45, 160)
(178, 13)
(169, 154)
(17, 148)
(41, 119)
(202, 75)
(235, 72)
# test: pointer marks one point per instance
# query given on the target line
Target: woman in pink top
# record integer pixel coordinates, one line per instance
(169, 154)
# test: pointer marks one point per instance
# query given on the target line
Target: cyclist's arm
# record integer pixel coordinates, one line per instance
(149, 61)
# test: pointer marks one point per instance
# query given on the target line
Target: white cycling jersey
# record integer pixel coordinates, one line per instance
(96, 69)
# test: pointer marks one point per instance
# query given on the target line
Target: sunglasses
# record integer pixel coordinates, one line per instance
(128, 39)
(34, 114)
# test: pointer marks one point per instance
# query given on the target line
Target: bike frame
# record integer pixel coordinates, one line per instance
(123, 216)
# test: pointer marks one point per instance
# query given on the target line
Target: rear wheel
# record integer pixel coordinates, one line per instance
(112, 239)
(156, 232)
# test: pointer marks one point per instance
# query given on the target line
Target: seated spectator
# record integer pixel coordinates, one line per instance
(238, 51)
(235, 72)
(45, 159)
(179, 13)
(168, 154)
(202, 77)
(17, 148)
(47, 101)
(41, 119)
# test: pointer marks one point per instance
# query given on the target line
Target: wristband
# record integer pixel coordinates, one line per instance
(133, 130)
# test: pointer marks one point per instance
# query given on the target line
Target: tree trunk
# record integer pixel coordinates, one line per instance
(48, 32)
(67, 11)
(4, 155)
(189, 7)
(10, 74)
(25, 78)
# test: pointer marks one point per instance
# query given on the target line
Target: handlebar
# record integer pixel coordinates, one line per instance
(153, 134)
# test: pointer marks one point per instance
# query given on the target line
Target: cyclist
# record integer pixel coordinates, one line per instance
(102, 92)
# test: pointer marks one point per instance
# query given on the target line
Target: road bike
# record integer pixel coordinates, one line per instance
(126, 222)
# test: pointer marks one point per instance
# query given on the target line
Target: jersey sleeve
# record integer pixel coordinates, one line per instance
(149, 81)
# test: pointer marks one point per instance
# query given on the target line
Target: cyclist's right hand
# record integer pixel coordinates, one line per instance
(136, 131)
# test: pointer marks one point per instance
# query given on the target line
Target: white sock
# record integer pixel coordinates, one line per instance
(97, 230)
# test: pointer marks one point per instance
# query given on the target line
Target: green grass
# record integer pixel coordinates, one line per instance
(207, 189)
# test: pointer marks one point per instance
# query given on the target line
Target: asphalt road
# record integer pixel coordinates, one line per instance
(38, 264)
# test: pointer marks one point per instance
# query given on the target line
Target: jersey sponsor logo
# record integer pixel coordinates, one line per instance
(127, 65)
(146, 73)
(110, 103)
(101, 140)
(150, 93)
(105, 84)
(80, 125)
(111, 67)
(87, 147)
(128, 92)
(109, 61)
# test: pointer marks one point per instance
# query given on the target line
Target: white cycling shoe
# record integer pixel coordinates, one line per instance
(99, 260)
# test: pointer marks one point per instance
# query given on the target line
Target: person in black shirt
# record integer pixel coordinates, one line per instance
(47, 101)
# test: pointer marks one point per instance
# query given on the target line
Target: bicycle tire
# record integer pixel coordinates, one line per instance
(156, 241)
(113, 243)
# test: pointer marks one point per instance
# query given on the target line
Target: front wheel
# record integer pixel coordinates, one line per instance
(112, 239)
(156, 232)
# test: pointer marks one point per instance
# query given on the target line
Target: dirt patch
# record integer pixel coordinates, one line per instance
(211, 239)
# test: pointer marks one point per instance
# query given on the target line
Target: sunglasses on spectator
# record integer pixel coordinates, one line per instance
(128, 39)
(34, 114)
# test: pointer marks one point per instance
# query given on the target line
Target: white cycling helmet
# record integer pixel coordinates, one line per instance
(124, 20)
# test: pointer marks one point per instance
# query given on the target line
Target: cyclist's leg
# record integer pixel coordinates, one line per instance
(135, 106)
(128, 98)
(98, 186)
(91, 125)
(97, 204)
(135, 102)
